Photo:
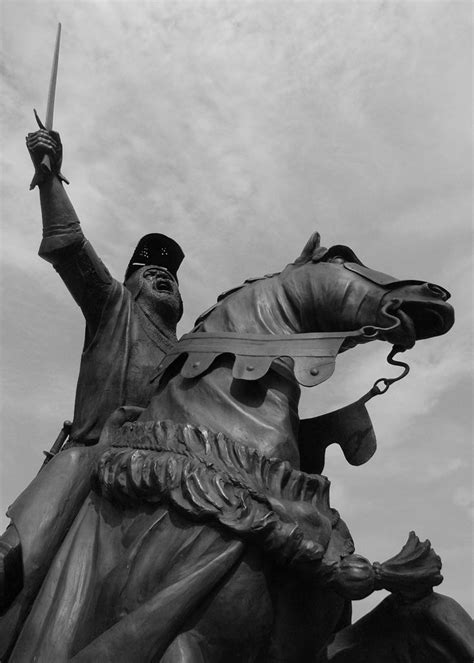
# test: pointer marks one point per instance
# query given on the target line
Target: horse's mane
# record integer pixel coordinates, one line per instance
(229, 292)
(312, 252)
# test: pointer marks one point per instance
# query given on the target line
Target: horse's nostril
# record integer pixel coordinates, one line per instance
(437, 291)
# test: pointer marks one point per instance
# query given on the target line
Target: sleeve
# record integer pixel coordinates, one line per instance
(85, 275)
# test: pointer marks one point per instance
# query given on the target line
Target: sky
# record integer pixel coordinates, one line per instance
(239, 128)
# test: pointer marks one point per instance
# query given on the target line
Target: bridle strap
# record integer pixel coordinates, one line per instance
(313, 354)
(387, 382)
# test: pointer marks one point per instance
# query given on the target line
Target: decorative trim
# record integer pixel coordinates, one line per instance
(210, 478)
(313, 355)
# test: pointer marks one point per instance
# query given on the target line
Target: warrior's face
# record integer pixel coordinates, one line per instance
(158, 290)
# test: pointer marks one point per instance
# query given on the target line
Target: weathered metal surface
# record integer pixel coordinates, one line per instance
(202, 523)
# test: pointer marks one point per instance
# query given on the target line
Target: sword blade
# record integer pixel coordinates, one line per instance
(52, 82)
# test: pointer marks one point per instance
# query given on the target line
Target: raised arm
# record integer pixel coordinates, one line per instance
(64, 244)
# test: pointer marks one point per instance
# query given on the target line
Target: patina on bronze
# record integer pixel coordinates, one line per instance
(130, 326)
(180, 514)
(198, 499)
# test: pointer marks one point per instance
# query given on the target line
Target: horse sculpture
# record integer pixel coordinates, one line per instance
(203, 540)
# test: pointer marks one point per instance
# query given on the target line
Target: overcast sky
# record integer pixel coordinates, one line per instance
(239, 128)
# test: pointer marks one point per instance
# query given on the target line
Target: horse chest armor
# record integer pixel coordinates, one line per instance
(313, 355)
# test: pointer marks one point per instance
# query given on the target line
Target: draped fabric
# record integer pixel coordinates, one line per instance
(122, 347)
(42, 515)
(208, 477)
(122, 585)
(116, 366)
(174, 511)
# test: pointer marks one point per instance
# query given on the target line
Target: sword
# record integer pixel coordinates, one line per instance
(46, 162)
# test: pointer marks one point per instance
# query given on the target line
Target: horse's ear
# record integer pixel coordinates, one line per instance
(312, 251)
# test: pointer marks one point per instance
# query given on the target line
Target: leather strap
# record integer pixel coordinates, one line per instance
(313, 354)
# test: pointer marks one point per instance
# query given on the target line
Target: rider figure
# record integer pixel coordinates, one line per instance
(129, 328)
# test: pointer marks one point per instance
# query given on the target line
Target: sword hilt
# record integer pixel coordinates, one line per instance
(58, 443)
(44, 169)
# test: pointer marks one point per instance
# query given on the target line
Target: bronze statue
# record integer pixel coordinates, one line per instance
(203, 538)
(186, 519)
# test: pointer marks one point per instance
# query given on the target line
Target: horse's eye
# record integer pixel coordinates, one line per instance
(338, 260)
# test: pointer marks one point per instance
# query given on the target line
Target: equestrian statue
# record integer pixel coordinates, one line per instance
(183, 516)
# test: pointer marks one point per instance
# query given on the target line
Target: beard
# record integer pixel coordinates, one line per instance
(159, 298)
(163, 305)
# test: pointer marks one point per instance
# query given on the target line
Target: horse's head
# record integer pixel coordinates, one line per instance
(333, 291)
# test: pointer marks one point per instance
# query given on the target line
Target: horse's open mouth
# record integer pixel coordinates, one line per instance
(418, 320)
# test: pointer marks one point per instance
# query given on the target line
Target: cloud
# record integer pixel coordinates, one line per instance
(239, 128)
(463, 498)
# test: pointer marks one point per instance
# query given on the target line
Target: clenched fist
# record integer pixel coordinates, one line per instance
(43, 143)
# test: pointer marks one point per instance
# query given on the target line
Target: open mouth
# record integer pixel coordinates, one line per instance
(163, 284)
(429, 319)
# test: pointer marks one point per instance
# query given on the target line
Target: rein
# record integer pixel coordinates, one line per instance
(349, 426)
(387, 382)
(313, 354)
